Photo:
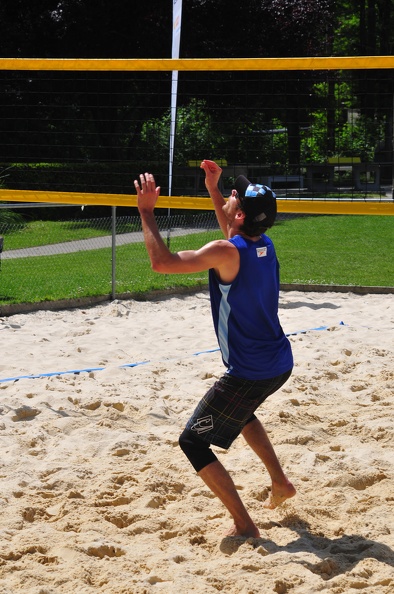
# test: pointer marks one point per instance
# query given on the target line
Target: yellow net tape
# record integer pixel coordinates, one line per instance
(200, 64)
(198, 203)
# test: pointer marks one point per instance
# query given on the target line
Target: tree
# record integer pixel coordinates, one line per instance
(196, 133)
(258, 28)
(65, 108)
(86, 28)
(364, 27)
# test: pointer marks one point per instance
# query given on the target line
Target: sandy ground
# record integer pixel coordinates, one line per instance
(96, 495)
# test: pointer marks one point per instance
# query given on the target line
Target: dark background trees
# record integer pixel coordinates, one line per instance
(210, 28)
(86, 28)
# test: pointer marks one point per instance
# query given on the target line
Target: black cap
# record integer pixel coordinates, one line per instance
(258, 201)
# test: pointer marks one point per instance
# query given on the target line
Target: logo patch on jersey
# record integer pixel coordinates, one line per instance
(261, 251)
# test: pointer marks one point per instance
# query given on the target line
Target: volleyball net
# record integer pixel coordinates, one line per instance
(319, 131)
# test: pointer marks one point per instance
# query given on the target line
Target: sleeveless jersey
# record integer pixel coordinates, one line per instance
(245, 314)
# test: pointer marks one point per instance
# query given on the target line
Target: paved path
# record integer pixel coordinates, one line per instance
(94, 243)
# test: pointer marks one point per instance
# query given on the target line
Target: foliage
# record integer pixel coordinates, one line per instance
(358, 140)
(364, 27)
(307, 23)
(253, 140)
(195, 133)
(10, 217)
(71, 176)
(358, 136)
(346, 39)
(85, 29)
(257, 28)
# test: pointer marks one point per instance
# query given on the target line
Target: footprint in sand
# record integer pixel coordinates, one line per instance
(24, 413)
(104, 550)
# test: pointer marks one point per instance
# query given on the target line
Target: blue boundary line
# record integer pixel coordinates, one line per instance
(90, 369)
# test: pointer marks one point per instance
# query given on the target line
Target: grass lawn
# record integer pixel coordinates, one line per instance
(337, 250)
(37, 233)
(329, 250)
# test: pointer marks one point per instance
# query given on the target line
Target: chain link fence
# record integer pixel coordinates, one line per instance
(93, 258)
(68, 263)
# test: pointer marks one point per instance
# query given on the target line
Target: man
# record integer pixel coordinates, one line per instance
(244, 289)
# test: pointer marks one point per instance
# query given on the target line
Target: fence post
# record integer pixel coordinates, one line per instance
(392, 158)
(113, 285)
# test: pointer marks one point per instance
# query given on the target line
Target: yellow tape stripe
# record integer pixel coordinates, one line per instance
(198, 202)
(342, 207)
(200, 64)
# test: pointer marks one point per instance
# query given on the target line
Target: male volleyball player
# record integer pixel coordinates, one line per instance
(244, 290)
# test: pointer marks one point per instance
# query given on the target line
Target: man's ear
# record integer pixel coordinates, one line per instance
(240, 214)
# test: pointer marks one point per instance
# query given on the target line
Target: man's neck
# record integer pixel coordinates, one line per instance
(232, 232)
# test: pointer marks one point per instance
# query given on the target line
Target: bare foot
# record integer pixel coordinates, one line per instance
(279, 494)
(251, 531)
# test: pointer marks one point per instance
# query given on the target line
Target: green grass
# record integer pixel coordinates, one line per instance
(336, 250)
(329, 250)
(39, 233)
(88, 273)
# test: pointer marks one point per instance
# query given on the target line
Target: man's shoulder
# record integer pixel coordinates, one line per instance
(219, 249)
(226, 244)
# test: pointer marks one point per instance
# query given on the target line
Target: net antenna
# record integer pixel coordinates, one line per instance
(176, 39)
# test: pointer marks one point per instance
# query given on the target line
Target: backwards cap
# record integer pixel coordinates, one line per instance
(258, 201)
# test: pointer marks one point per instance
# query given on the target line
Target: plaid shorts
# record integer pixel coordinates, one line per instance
(229, 405)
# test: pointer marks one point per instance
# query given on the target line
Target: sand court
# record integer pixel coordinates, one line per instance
(96, 495)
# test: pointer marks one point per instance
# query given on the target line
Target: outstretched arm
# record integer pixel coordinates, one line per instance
(147, 196)
(220, 255)
(212, 176)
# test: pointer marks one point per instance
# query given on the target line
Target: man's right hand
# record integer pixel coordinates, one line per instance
(147, 194)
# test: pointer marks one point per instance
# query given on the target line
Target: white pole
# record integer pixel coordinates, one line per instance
(176, 38)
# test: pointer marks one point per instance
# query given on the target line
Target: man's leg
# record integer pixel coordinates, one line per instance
(221, 484)
(216, 477)
(257, 438)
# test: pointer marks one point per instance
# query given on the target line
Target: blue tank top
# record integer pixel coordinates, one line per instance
(245, 314)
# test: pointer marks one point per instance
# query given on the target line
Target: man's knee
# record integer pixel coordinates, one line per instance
(196, 450)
